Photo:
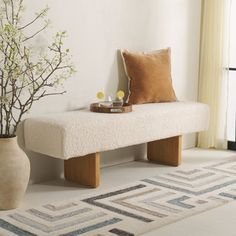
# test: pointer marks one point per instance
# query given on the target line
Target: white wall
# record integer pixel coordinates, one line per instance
(97, 29)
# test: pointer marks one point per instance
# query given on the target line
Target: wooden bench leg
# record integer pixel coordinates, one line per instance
(165, 151)
(83, 170)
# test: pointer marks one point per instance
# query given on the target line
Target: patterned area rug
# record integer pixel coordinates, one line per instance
(132, 209)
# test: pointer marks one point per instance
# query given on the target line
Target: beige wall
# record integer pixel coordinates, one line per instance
(96, 29)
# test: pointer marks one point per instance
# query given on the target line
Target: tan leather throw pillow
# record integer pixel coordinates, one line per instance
(149, 76)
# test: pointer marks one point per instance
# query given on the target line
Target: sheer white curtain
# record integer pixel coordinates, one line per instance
(213, 72)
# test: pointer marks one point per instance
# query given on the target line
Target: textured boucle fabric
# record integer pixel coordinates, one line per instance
(78, 133)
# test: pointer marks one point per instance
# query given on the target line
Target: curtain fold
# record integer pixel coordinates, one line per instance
(213, 70)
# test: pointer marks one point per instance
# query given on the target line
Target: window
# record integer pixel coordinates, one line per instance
(232, 82)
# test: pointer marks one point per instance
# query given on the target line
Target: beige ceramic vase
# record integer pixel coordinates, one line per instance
(14, 173)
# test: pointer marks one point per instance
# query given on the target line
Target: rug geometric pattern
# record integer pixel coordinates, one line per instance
(132, 209)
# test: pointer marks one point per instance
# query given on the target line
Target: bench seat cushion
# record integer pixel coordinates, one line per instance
(78, 133)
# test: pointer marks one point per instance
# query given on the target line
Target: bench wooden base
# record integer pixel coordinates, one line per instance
(83, 170)
(165, 151)
(86, 170)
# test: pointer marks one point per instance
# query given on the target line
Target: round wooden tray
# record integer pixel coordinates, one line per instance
(94, 107)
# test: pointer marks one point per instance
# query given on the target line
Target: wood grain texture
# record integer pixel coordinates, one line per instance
(165, 151)
(83, 170)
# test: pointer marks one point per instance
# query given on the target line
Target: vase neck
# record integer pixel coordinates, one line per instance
(12, 140)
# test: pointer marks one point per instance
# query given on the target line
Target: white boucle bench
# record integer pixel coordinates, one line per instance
(78, 136)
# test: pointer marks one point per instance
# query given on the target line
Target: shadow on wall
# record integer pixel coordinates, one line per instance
(117, 79)
(123, 80)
